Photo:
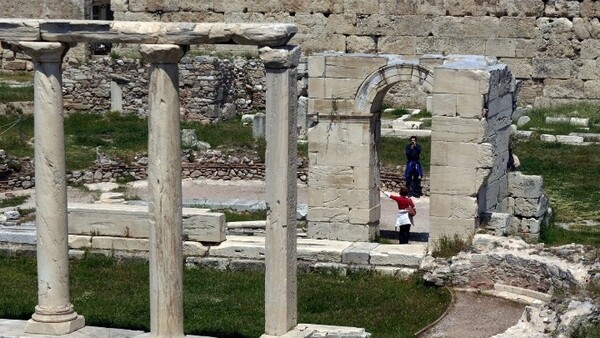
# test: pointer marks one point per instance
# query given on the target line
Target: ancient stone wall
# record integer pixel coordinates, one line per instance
(551, 46)
(210, 88)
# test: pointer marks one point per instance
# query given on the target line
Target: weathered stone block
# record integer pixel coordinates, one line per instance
(460, 81)
(469, 105)
(531, 207)
(340, 231)
(498, 223)
(358, 253)
(451, 129)
(530, 225)
(240, 247)
(520, 67)
(336, 215)
(331, 106)
(440, 205)
(571, 88)
(552, 68)
(526, 186)
(316, 66)
(409, 255)
(132, 221)
(364, 216)
(361, 44)
(333, 87)
(119, 243)
(352, 67)
(80, 242)
(405, 45)
(444, 180)
(517, 27)
(194, 249)
(312, 250)
(501, 47)
(440, 227)
(444, 105)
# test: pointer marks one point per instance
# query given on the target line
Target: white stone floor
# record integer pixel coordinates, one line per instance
(10, 328)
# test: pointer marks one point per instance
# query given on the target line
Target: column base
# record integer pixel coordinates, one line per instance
(69, 326)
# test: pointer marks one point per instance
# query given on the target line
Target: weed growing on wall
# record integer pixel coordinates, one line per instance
(448, 246)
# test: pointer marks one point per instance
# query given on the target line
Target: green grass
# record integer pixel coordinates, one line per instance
(119, 136)
(13, 201)
(555, 235)
(226, 303)
(571, 177)
(15, 94)
(394, 114)
(391, 153)
(583, 110)
(16, 77)
(239, 216)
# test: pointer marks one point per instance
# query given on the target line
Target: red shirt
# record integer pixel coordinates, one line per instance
(403, 202)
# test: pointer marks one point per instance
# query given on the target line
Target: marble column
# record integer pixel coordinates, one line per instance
(164, 191)
(54, 313)
(281, 313)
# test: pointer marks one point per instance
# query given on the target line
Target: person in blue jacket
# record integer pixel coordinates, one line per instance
(414, 172)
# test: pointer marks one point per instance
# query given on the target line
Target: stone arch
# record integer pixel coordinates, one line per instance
(472, 101)
(370, 94)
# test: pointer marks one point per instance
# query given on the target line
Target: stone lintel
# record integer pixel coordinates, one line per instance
(184, 33)
(281, 57)
(43, 51)
(19, 30)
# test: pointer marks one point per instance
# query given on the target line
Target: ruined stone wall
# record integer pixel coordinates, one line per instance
(43, 9)
(551, 46)
(210, 88)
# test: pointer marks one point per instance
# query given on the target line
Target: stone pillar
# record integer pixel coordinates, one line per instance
(54, 313)
(164, 191)
(281, 313)
(116, 97)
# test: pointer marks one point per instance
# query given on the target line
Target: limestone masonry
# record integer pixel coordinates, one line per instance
(552, 46)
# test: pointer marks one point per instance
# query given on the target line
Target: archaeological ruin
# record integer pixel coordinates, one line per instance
(162, 45)
(551, 46)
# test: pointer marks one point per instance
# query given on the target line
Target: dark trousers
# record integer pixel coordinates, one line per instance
(403, 234)
(413, 183)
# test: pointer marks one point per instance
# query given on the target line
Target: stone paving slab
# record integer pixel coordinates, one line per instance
(409, 255)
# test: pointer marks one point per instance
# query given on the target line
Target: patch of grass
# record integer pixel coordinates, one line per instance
(226, 303)
(230, 133)
(15, 94)
(588, 331)
(395, 113)
(13, 201)
(583, 110)
(555, 235)
(16, 77)
(17, 130)
(241, 216)
(391, 152)
(447, 247)
(571, 177)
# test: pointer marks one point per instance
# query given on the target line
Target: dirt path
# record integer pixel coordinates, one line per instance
(476, 316)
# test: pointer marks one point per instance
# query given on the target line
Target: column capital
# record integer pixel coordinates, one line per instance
(280, 57)
(43, 51)
(162, 53)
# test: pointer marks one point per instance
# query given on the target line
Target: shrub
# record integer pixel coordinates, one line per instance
(447, 247)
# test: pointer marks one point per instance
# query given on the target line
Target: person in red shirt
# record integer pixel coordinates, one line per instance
(404, 220)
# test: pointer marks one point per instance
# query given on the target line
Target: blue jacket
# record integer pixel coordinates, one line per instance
(413, 165)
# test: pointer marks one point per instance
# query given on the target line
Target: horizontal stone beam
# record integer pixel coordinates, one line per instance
(180, 33)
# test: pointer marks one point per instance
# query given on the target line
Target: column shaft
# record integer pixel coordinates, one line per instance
(281, 190)
(164, 188)
(54, 313)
